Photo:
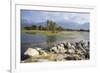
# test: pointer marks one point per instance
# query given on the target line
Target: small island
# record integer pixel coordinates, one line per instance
(50, 28)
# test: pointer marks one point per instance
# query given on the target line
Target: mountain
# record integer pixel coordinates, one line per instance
(26, 23)
(85, 26)
(64, 24)
(73, 25)
(69, 25)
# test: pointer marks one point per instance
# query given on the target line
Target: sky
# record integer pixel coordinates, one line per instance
(62, 18)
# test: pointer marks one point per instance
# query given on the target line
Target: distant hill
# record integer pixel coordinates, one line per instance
(73, 25)
(69, 25)
(85, 26)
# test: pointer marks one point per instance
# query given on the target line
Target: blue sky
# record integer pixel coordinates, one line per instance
(33, 16)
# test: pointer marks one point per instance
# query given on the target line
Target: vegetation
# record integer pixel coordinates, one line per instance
(51, 26)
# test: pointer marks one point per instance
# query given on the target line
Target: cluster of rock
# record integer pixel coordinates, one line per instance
(60, 52)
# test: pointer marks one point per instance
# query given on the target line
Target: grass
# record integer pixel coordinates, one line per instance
(50, 33)
(40, 32)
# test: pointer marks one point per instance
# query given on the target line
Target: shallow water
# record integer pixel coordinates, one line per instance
(46, 41)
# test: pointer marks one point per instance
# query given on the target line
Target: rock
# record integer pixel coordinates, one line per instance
(86, 46)
(61, 49)
(38, 49)
(77, 57)
(52, 57)
(62, 44)
(79, 46)
(70, 57)
(54, 49)
(79, 52)
(41, 52)
(70, 46)
(71, 51)
(60, 52)
(31, 52)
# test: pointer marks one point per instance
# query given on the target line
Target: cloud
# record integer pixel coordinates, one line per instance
(41, 16)
(79, 18)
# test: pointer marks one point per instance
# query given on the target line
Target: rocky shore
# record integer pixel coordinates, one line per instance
(59, 52)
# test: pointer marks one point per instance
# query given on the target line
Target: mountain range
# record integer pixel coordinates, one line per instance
(67, 24)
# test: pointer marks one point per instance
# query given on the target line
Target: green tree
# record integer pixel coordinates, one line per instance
(34, 27)
(40, 27)
(48, 25)
(27, 28)
(59, 28)
(51, 26)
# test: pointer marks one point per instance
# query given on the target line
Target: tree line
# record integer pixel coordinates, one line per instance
(51, 26)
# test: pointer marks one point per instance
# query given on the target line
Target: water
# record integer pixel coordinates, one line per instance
(46, 41)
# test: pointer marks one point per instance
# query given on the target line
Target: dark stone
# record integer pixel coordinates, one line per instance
(70, 58)
(25, 57)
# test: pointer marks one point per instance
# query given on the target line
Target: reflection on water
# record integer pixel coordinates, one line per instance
(46, 41)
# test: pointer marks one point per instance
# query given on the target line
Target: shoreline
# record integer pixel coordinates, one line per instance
(66, 54)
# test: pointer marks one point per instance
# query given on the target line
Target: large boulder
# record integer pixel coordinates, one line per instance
(31, 52)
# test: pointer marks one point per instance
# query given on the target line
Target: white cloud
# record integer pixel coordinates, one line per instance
(79, 18)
